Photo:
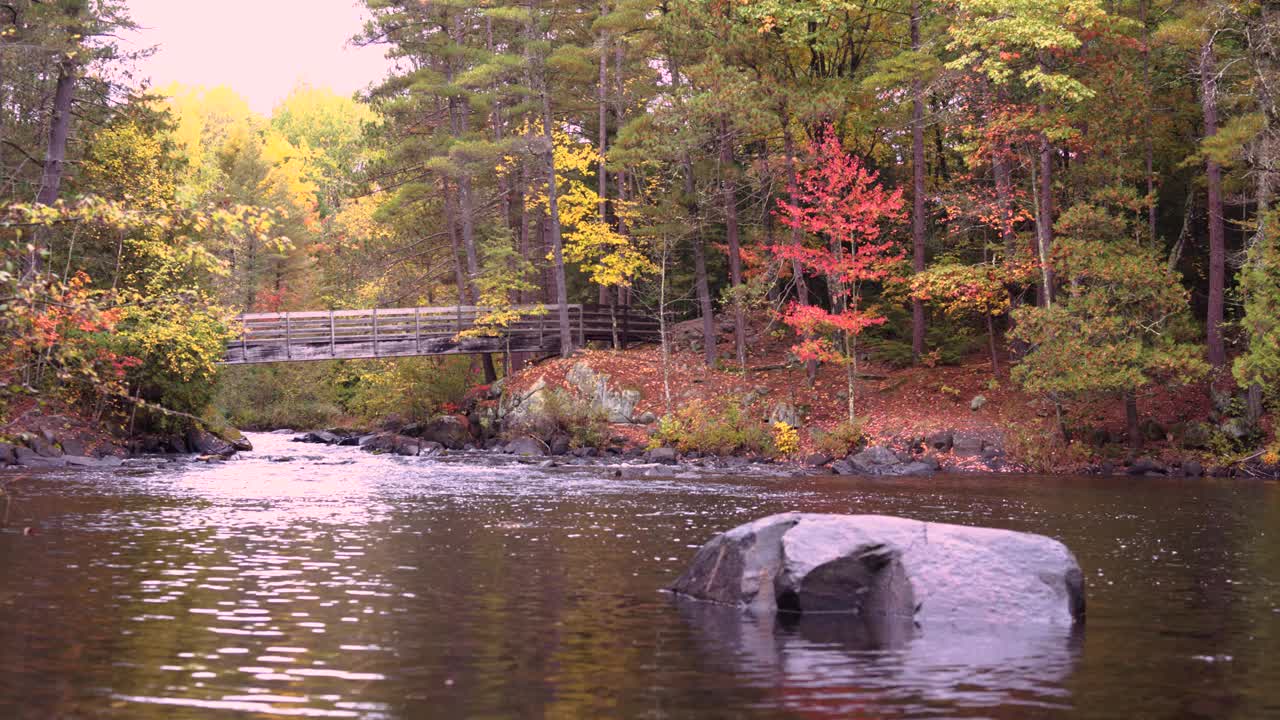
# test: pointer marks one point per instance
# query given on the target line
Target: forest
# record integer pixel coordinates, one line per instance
(1079, 192)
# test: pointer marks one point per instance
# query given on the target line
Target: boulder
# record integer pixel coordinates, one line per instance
(787, 413)
(1147, 466)
(1197, 435)
(323, 437)
(518, 408)
(977, 402)
(27, 457)
(933, 574)
(662, 456)
(843, 467)
(1236, 428)
(233, 437)
(1192, 468)
(939, 440)
(448, 430)
(875, 460)
(559, 444)
(966, 445)
(915, 468)
(7, 456)
(1152, 430)
(619, 405)
(393, 443)
(526, 447)
(206, 443)
(73, 446)
(88, 462)
(817, 459)
(44, 447)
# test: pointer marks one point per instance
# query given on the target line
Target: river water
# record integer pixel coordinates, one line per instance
(324, 582)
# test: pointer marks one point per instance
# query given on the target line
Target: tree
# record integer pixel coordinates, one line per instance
(842, 203)
(1116, 328)
(1018, 47)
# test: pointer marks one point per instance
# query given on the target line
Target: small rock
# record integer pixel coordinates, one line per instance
(977, 402)
(1192, 468)
(843, 467)
(7, 455)
(647, 418)
(73, 446)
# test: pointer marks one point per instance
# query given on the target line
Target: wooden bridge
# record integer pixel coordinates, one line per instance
(408, 332)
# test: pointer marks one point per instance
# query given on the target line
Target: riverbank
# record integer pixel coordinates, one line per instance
(634, 406)
(601, 407)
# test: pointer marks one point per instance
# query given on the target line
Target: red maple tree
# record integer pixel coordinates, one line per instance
(843, 207)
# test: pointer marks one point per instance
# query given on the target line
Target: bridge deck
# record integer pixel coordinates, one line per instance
(407, 332)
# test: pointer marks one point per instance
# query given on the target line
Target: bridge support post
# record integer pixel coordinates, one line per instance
(375, 332)
(288, 337)
(333, 337)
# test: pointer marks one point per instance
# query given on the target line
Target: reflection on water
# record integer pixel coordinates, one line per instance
(828, 664)
(322, 582)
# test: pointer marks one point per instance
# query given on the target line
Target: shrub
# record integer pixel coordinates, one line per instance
(413, 389)
(177, 345)
(721, 429)
(786, 439)
(840, 440)
(292, 395)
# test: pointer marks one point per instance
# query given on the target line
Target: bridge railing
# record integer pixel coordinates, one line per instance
(401, 332)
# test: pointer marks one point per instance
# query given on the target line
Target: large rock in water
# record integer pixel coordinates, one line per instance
(879, 566)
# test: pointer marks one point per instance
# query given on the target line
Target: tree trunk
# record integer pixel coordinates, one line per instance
(602, 110)
(1148, 140)
(917, 189)
(729, 191)
(553, 216)
(56, 152)
(1132, 428)
(1217, 229)
(701, 284)
(793, 190)
(459, 270)
(1045, 226)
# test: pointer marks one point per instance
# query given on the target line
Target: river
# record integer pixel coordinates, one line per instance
(312, 581)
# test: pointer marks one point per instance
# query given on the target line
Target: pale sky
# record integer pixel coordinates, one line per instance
(260, 48)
